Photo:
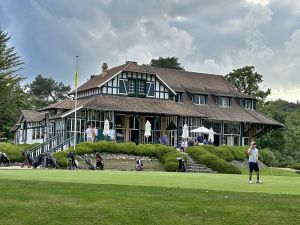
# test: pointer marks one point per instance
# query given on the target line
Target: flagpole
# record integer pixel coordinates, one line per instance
(76, 82)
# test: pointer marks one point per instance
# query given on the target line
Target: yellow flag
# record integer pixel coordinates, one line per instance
(76, 77)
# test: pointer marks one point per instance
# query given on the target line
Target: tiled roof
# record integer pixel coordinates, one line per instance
(197, 83)
(64, 104)
(236, 114)
(138, 105)
(32, 116)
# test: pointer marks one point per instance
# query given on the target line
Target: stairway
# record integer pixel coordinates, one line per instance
(194, 167)
(54, 144)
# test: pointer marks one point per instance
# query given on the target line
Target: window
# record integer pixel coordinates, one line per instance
(178, 97)
(248, 104)
(122, 87)
(137, 87)
(131, 86)
(200, 99)
(150, 89)
(141, 87)
(223, 102)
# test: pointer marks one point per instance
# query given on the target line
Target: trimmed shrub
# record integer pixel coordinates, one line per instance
(223, 152)
(163, 153)
(267, 157)
(14, 152)
(171, 166)
(238, 153)
(212, 161)
(162, 150)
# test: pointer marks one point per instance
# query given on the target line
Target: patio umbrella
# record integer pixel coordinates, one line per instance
(185, 131)
(211, 135)
(147, 129)
(106, 128)
(202, 129)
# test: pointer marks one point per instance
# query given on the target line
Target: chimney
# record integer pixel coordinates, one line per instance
(104, 69)
(127, 62)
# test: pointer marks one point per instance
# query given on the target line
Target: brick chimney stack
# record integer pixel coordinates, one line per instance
(104, 69)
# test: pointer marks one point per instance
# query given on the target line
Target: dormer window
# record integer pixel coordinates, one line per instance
(248, 104)
(224, 102)
(178, 97)
(136, 87)
(200, 99)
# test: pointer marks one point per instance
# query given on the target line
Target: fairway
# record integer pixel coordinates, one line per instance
(115, 197)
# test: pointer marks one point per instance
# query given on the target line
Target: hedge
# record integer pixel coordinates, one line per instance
(14, 152)
(205, 156)
(165, 154)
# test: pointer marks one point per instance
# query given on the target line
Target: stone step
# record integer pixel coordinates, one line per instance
(193, 167)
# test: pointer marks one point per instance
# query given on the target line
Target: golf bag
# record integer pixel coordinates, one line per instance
(27, 159)
(45, 161)
(181, 166)
(4, 159)
(89, 162)
(99, 162)
(72, 163)
(51, 162)
(139, 165)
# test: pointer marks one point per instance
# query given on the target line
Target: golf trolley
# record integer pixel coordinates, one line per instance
(72, 162)
(4, 159)
(181, 165)
(45, 160)
(92, 166)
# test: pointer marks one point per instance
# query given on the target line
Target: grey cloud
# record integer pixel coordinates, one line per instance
(207, 36)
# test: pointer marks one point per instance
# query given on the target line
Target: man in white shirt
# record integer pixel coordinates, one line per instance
(89, 133)
(253, 163)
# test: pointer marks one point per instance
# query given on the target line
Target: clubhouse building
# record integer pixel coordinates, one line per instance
(130, 94)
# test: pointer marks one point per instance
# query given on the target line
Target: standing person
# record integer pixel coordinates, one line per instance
(89, 133)
(199, 139)
(164, 140)
(95, 133)
(253, 163)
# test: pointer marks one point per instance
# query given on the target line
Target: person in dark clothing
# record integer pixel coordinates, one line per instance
(190, 143)
(99, 162)
(200, 138)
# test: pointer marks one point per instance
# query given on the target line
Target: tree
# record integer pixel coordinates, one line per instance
(247, 81)
(169, 63)
(48, 90)
(12, 96)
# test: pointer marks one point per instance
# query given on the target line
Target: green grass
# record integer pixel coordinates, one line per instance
(115, 197)
(273, 171)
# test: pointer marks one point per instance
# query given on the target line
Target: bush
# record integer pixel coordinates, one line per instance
(164, 154)
(223, 152)
(268, 157)
(296, 166)
(171, 166)
(201, 155)
(238, 153)
(14, 152)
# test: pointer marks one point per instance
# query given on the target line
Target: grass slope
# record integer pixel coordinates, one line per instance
(110, 197)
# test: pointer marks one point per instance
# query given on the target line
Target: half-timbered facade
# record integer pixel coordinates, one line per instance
(128, 95)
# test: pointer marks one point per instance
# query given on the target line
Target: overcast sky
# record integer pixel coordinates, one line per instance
(210, 36)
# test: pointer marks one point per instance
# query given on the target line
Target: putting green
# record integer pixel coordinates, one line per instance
(218, 182)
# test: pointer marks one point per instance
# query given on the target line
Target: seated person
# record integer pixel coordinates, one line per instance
(139, 165)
